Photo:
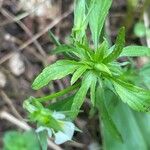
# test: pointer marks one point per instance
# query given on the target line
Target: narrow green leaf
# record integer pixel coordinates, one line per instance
(144, 124)
(120, 42)
(55, 71)
(134, 51)
(70, 50)
(106, 118)
(79, 19)
(102, 68)
(54, 38)
(80, 95)
(78, 73)
(144, 74)
(62, 105)
(64, 48)
(43, 136)
(15, 140)
(93, 90)
(97, 17)
(101, 51)
(136, 97)
(129, 128)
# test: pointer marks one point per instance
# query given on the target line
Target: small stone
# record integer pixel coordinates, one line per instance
(16, 64)
(41, 8)
(2, 80)
(94, 145)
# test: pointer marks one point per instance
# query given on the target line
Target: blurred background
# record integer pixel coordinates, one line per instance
(25, 49)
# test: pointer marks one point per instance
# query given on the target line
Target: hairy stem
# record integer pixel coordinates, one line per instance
(59, 94)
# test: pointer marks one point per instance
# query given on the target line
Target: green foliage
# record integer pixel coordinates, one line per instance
(97, 17)
(107, 120)
(80, 95)
(14, 140)
(53, 72)
(144, 74)
(120, 42)
(94, 71)
(140, 30)
(137, 98)
(134, 51)
(132, 125)
(80, 22)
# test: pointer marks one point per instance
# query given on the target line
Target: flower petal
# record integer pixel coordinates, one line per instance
(58, 115)
(60, 137)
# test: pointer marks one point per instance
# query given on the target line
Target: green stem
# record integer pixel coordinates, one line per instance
(58, 94)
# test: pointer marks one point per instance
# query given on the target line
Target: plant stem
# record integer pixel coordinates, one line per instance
(58, 94)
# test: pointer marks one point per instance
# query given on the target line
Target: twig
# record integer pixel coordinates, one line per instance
(23, 125)
(38, 35)
(11, 105)
(19, 42)
(76, 144)
(50, 26)
(13, 120)
(23, 15)
(1, 3)
(22, 25)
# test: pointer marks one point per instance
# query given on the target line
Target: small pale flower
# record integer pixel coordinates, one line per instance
(66, 134)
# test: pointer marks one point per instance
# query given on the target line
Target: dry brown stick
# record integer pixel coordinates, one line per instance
(76, 144)
(10, 104)
(23, 125)
(1, 3)
(22, 25)
(48, 27)
(23, 15)
(19, 42)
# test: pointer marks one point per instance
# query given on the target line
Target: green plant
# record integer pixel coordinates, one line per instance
(95, 70)
(140, 30)
(14, 140)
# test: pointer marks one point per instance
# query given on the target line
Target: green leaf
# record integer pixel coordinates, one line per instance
(144, 75)
(43, 136)
(64, 48)
(14, 140)
(106, 118)
(81, 94)
(55, 71)
(54, 39)
(93, 90)
(144, 124)
(120, 42)
(78, 73)
(62, 105)
(136, 97)
(102, 68)
(100, 52)
(79, 19)
(134, 51)
(140, 29)
(97, 17)
(128, 126)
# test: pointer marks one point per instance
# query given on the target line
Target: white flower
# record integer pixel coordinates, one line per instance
(58, 115)
(66, 134)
